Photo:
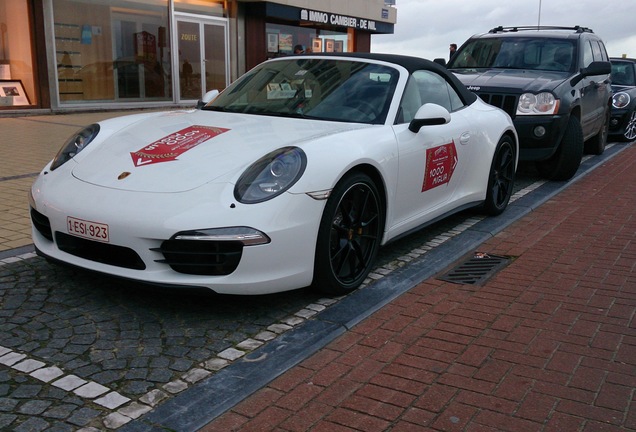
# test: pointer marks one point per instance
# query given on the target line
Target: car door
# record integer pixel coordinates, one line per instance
(432, 161)
(594, 91)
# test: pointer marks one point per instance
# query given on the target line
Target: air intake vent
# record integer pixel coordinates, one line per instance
(477, 269)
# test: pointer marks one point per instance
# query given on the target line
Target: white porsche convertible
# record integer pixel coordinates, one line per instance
(293, 176)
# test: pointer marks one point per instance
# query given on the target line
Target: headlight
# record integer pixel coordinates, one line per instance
(271, 175)
(620, 100)
(533, 104)
(75, 144)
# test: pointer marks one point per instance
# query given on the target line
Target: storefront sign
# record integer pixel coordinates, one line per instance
(337, 20)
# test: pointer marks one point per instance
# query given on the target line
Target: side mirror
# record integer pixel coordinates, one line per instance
(597, 68)
(440, 61)
(429, 114)
(207, 98)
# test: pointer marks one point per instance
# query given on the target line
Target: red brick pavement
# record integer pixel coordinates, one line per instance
(547, 344)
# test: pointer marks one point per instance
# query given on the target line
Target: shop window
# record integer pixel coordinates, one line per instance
(115, 51)
(284, 39)
(17, 83)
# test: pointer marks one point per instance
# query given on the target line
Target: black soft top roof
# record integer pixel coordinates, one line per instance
(411, 64)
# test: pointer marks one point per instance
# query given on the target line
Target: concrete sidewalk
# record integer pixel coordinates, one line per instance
(546, 344)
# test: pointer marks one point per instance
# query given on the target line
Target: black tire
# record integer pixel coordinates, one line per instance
(563, 164)
(596, 144)
(630, 128)
(349, 235)
(501, 178)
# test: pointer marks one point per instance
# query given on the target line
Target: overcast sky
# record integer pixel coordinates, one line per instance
(425, 28)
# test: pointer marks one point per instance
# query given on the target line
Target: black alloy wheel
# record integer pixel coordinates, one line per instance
(630, 128)
(349, 235)
(501, 178)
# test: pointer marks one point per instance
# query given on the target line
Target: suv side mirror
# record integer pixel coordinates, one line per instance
(597, 68)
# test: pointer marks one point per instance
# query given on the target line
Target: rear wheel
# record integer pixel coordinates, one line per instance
(563, 164)
(501, 178)
(596, 145)
(349, 235)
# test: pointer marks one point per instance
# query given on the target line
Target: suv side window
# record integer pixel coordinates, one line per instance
(596, 51)
(588, 56)
(600, 54)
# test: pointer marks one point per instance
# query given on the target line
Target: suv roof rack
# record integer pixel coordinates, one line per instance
(577, 29)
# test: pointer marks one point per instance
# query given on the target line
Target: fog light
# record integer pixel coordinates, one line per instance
(539, 131)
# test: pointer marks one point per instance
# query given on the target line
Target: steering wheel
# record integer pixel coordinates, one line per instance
(367, 108)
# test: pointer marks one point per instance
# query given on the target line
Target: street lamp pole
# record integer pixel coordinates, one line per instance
(539, 21)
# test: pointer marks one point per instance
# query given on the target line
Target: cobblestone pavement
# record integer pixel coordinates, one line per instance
(80, 351)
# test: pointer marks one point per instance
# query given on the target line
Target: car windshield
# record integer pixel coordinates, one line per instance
(623, 74)
(314, 88)
(516, 53)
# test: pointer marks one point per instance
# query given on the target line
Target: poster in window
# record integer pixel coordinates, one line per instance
(316, 46)
(272, 42)
(329, 45)
(338, 46)
(12, 93)
(285, 43)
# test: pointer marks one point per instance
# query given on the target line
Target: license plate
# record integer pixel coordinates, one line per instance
(87, 229)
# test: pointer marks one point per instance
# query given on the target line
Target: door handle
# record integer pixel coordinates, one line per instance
(464, 138)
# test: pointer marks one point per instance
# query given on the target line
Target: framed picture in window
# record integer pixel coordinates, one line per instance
(316, 45)
(338, 46)
(272, 42)
(329, 45)
(12, 93)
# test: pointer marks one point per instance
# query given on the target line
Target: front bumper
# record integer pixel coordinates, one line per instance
(141, 226)
(539, 136)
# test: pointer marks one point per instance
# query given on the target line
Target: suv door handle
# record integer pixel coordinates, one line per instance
(464, 138)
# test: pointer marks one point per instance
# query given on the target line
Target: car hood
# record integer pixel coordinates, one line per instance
(619, 88)
(510, 80)
(180, 151)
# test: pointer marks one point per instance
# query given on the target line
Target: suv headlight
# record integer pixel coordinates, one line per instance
(620, 100)
(537, 104)
(75, 144)
(271, 175)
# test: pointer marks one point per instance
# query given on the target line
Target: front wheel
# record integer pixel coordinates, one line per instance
(501, 178)
(349, 235)
(630, 128)
(596, 145)
(563, 164)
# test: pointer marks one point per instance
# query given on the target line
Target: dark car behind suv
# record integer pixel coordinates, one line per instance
(555, 84)
(623, 122)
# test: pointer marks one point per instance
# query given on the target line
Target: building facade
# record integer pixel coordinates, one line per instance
(58, 55)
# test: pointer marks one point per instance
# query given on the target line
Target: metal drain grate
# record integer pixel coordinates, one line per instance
(477, 269)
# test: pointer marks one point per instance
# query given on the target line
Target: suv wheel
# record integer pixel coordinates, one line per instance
(596, 144)
(564, 163)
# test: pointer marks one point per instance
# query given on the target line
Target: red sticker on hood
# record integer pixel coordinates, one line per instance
(169, 147)
(440, 165)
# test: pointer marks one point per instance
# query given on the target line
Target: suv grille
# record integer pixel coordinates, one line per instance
(508, 103)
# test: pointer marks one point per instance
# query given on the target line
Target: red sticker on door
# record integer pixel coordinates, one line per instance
(169, 147)
(440, 164)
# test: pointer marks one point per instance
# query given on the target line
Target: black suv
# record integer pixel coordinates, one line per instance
(555, 84)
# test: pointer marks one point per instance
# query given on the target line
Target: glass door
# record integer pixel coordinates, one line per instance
(202, 57)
